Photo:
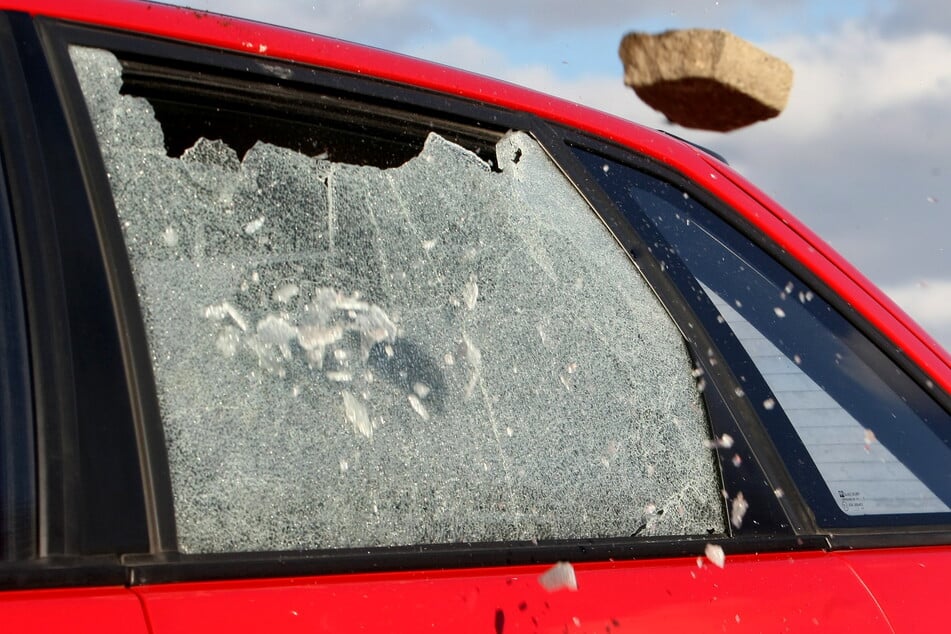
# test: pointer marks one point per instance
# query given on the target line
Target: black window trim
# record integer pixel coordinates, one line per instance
(41, 299)
(17, 444)
(81, 426)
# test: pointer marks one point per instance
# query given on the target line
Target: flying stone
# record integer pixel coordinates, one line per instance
(705, 79)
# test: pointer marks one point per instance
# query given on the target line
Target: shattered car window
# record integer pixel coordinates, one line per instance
(349, 356)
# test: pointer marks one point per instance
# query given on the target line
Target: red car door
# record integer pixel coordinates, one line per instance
(370, 356)
(792, 592)
(92, 610)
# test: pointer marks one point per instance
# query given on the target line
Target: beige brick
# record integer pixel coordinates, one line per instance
(706, 79)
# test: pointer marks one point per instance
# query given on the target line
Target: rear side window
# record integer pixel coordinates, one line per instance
(450, 349)
(866, 445)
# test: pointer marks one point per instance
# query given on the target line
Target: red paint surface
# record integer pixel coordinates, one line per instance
(769, 593)
(910, 584)
(76, 611)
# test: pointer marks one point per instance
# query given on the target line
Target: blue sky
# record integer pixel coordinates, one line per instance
(862, 153)
(587, 48)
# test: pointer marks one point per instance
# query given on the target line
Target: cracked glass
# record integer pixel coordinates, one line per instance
(450, 350)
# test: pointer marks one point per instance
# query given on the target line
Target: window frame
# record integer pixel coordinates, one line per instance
(85, 485)
(783, 524)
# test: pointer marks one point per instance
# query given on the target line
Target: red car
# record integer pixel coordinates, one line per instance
(300, 336)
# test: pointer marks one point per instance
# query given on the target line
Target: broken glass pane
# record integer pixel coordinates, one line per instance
(438, 352)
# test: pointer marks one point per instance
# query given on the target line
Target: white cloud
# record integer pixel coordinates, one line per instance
(841, 75)
(929, 303)
(382, 23)
(463, 51)
(845, 76)
(929, 300)
(906, 16)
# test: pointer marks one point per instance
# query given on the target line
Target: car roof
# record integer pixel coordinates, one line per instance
(791, 235)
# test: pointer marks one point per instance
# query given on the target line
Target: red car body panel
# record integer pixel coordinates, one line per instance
(74, 610)
(869, 591)
(910, 585)
(751, 593)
